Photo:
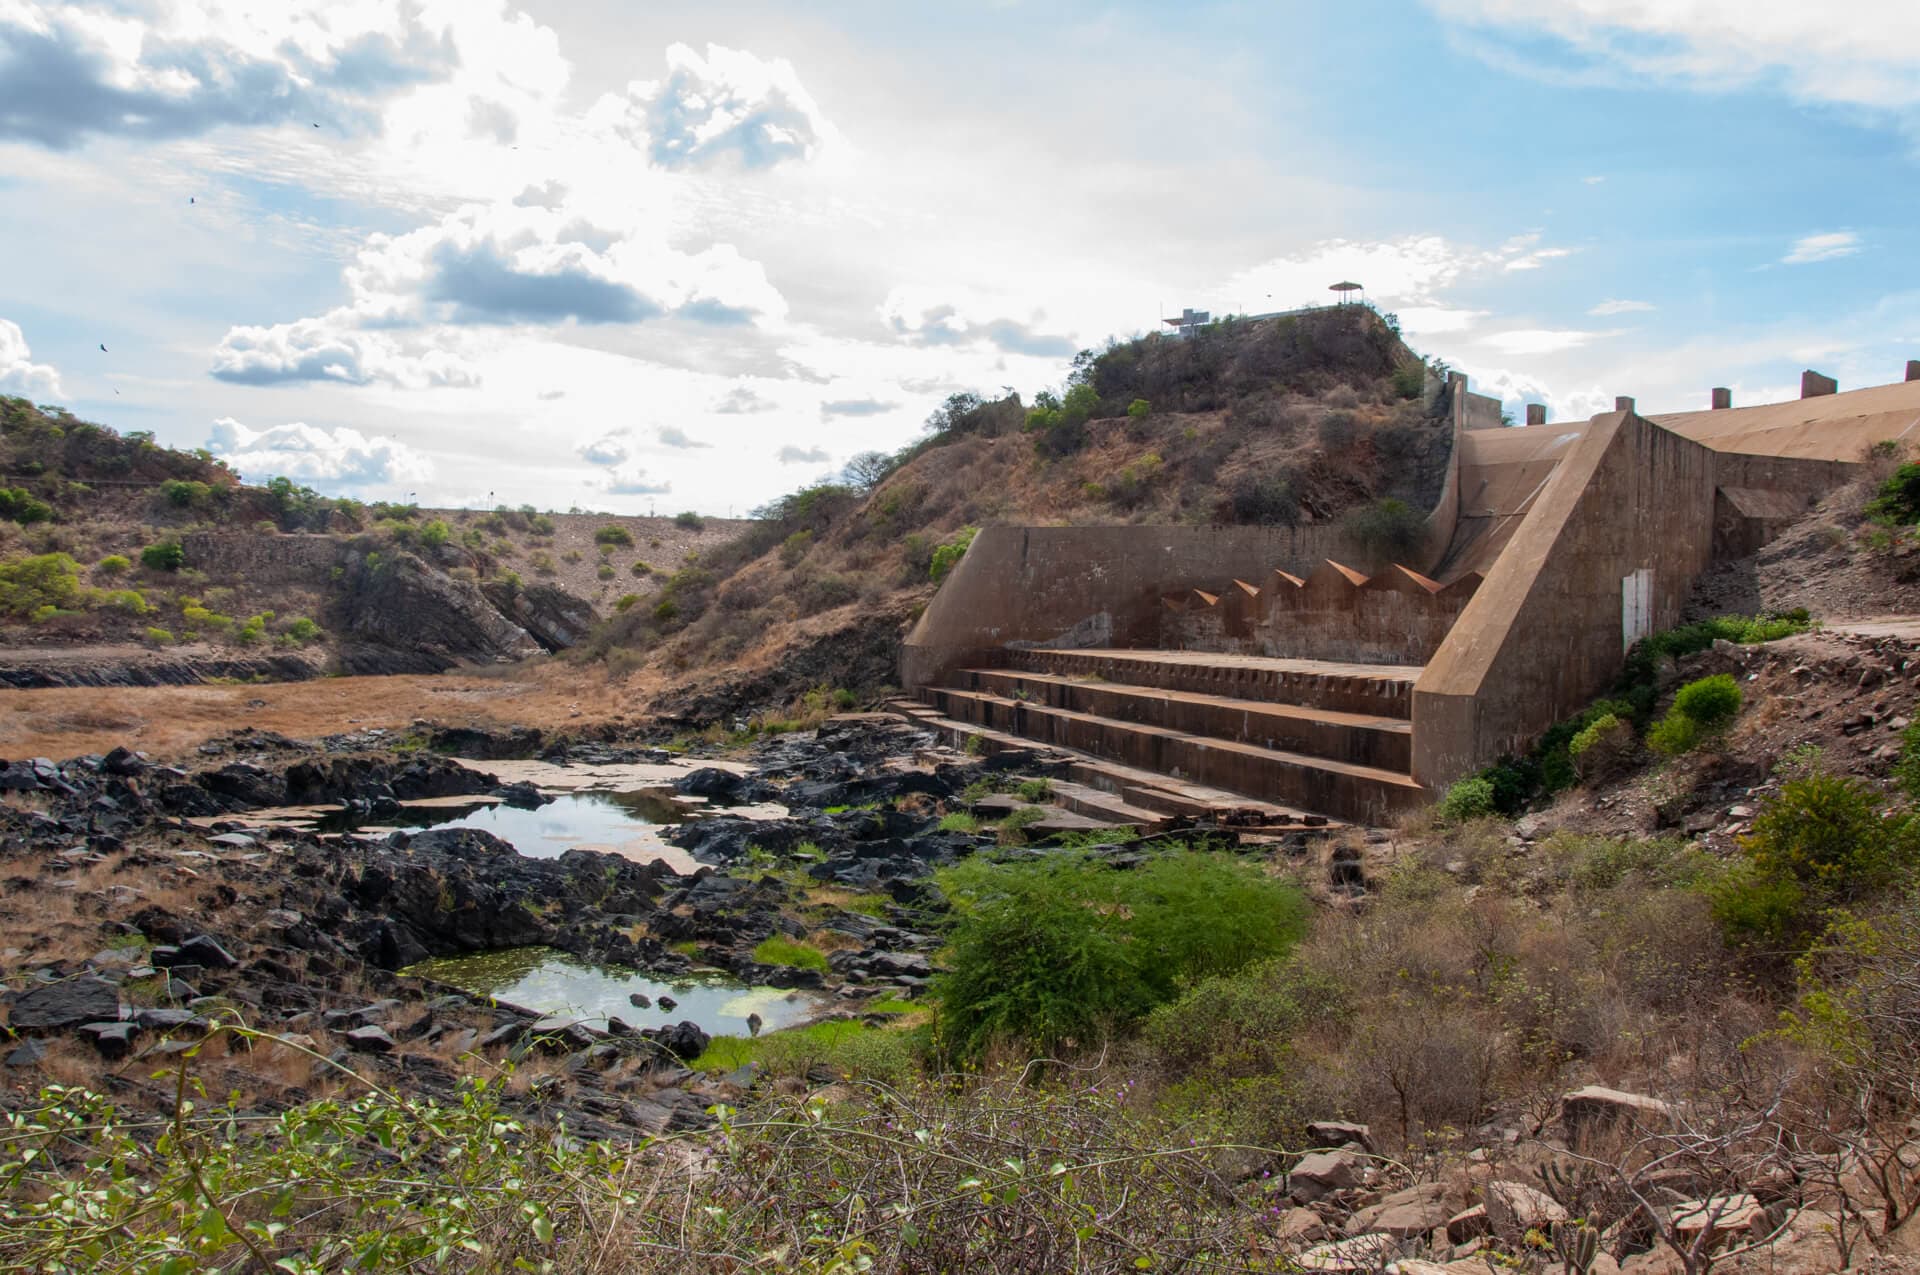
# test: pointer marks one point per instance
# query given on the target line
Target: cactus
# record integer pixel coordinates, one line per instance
(1577, 1245)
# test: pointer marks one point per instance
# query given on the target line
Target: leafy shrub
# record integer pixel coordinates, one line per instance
(164, 555)
(1600, 747)
(1139, 409)
(1265, 499)
(948, 555)
(30, 585)
(1821, 842)
(303, 630)
(132, 601)
(1387, 530)
(1907, 769)
(795, 547)
(604, 571)
(160, 637)
(626, 602)
(571, 555)
(113, 564)
(202, 618)
(542, 564)
(613, 534)
(1410, 379)
(690, 520)
(17, 504)
(1700, 708)
(1898, 500)
(785, 951)
(1711, 701)
(1034, 790)
(1470, 798)
(1053, 952)
(640, 568)
(435, 533)
(184, 493)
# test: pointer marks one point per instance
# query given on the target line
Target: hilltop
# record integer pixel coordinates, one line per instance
(1300, 419)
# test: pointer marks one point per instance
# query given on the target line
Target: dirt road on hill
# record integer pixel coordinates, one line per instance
(168, 721)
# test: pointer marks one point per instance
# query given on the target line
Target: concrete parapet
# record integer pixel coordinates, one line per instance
(1722, 398)
(1536, 413)
(1815, 385)
(1913, 369)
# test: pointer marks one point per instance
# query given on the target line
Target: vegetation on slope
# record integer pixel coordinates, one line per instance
(1296, 420)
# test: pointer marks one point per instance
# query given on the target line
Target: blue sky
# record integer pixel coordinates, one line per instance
(593, 254)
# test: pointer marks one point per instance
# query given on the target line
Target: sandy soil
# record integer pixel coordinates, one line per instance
(167, 722)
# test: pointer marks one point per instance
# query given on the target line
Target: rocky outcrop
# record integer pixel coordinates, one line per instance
(397, 615)
(54, 667)
(551, 616)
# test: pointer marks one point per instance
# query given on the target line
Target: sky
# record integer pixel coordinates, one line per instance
(648, 257)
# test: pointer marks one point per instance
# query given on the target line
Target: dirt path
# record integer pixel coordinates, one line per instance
(167, 722)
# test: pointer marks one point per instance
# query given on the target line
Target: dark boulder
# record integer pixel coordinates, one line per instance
(65, 1005)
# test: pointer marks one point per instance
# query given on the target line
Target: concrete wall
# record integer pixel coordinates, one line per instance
(1542, 635)
(1089, 586)
(1393, 617)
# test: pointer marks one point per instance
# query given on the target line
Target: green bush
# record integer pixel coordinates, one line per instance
(17, 504)
(1034, 790)
(31, 585)
(113, 564)
(1139, 409)
(1388, 530)
(1821, 842)
(960, 821)
(612, 534)
(1898, 500)
(1700, 709)
(690, 520)
(160, 637)
(184, 493)
(1470, 798)
(785, 951)
(948, 555)
(604, 571)
(1410, 379)
(164, 555)
(435, 533)
(1054, 952)
(132, 601)
(1711, 701)
(1907, 769)
(795, 547)
(640, 568)
(303, 630)
(1601, 747)
(626, 602)
(542, 564)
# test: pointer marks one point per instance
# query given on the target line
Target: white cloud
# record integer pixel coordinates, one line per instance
(727, 106)
(634, 481)
(1825, 247)
(330, 348)
(1593, 181)
(72, 69)
(1620, 307)
(606, 450)
(1515, 389)
(949, 315)
(674, 436)
(1865, 55)
(1538, 340)
(1407, 275)
(335, 459)
(19, 374)
(791, 455)
(741, 401)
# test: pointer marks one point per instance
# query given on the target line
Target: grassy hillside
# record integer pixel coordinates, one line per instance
(1297, 420)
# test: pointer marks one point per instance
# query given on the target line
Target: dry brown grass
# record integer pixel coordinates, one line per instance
(169, 722)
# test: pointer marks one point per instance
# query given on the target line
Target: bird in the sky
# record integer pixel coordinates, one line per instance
(316, 126)
(190, 199)
(103, 348)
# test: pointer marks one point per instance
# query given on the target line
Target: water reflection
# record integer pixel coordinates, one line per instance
(552, 982)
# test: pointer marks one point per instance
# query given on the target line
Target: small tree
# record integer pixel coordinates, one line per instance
(164, 555)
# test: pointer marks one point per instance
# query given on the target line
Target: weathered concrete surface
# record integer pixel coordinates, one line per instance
(1089, 586)
(1395, 616)
(1829, 427)
(1543, 633)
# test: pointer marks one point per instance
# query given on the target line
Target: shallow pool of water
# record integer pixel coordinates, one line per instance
(570, 819)
(552, 982)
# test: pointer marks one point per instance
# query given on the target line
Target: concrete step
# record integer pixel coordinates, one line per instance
(1379, 690)
(1161, 795)
(1107, 807)
(1344, 790)
(1362, 738)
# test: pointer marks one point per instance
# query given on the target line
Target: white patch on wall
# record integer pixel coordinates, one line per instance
(1636, 607)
